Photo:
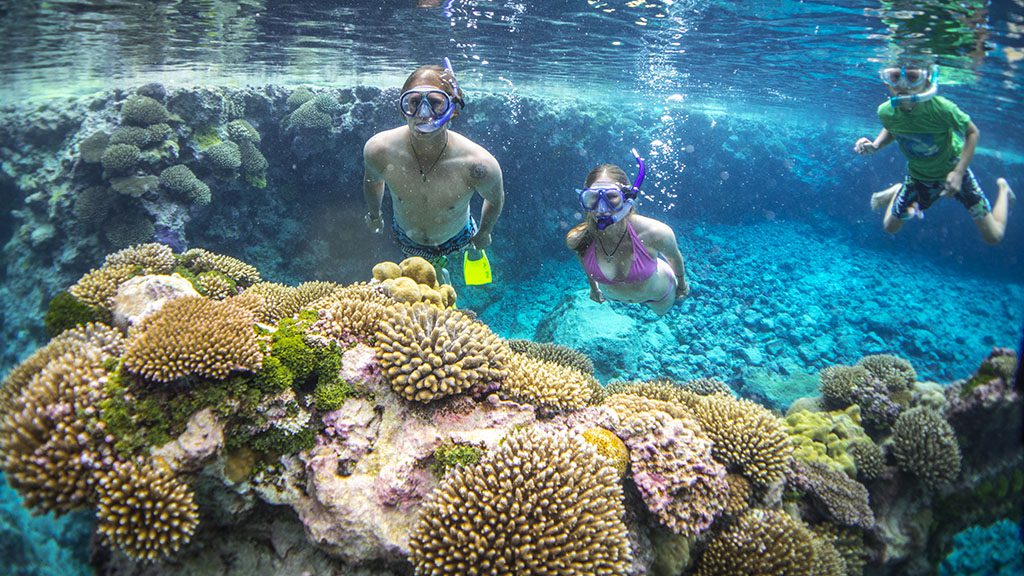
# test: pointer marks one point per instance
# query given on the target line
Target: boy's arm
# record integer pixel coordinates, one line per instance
(865, 146)
(955, 179)
(373, 185)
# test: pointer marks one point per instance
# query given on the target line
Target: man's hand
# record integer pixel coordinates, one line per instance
(481, 240)
(596, 295)
(865, 147)
(954, 180)
(375, 224)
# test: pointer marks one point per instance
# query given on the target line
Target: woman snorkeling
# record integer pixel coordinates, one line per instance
(628, 257)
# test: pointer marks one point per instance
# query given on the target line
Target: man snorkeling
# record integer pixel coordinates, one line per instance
(432, 173)
(938, 141)
(648, 268)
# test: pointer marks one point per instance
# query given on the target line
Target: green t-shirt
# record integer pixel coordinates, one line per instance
(930, 135)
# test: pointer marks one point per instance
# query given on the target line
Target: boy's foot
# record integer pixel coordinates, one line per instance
(1004, 185)
(879, 200)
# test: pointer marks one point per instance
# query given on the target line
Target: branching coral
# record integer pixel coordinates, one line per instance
(839, 382)
(547, 384)
(738, 496)
(120, 159)
(672, 467)
(143, 111)
(925, 445)
(98, 287)
(144, 510)
(747, 437)
(707, 386)
(152, 258)
(540, 504)
(843, 499)
(193, 336)
(180, 180)
(51, 446)
(285, 301)
(225, 157)
(896, 373)
(760, 543)
(350, 315)
(198, 260)
(426, 352)
(554, 353)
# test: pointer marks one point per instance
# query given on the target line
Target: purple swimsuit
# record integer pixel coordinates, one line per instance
(643, 267)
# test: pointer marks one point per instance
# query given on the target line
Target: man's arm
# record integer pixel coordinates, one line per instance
(373, 184)
(955, 179)
(489, 184)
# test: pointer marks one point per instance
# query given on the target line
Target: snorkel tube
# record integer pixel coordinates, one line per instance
(436, 123)
(933, 89)
(630, 194)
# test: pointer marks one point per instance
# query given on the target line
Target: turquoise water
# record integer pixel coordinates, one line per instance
(746, 115)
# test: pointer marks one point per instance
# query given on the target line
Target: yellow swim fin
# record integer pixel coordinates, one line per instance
(476, 270)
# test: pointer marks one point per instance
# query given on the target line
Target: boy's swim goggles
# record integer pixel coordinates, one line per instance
(903, 77)
(430, 103)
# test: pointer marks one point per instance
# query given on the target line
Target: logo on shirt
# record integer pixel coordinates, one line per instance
(919, 146)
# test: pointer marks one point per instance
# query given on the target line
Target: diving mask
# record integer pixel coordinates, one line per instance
(431, 103)
(903, 78)
(611, 204)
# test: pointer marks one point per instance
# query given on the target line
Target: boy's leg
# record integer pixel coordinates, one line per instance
(891, 222)
(993, 225)
(880, 200)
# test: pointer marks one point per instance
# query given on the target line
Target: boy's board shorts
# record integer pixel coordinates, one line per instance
(926, 192)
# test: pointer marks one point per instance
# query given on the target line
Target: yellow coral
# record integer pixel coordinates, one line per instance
(403, 289)
(198, 260)
(194, 336)
(386, 271)
(738, 499)
(348, 316)
(540, 504)
(420, 270)
(448, 293)
(610, 447)
(145, 510)
(827, 437)
(546, 384)
(98, 287)
(151, 258)
(427, 352)
(760, 543)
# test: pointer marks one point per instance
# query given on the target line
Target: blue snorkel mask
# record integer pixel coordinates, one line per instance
(613, 203)
(909, 78)
(431, 103)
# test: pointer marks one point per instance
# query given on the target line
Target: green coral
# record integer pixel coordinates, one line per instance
(827, 437)
(91, 149)
(451, 455)
(224, 157)
(316, 114)
(277, 441)
(66, 311)
(241, 131)
(299, 97)
(330, 395)
(254, 165)
(180, 180)
(160, 132)
(143, 111)
(133, 135)
(120, 159)
(207, 137)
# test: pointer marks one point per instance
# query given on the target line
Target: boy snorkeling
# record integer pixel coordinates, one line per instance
(432, 173)
(938, 141)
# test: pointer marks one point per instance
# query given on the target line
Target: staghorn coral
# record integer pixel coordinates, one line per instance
(664, 390)
(747, 437)
(925, 445)
(315, 114)
(554, 353)
(426, 352)
(139, 137)
(282, 301)
(896, 373)
(215, 285)
(51, 446)
(839, 382)
(300, 96)
(673, 470)
(152, 258)
(610, 446)
(198, 260)
(541, 383)
(241, 131)
(826, 437)
(827, 560)
(193, 336)
(844, 500)
(254, 164)
(707, 386)
(539, 504)
(760, 543)
(98, 287)
(140, 110)
(350, 316)
(144, 510)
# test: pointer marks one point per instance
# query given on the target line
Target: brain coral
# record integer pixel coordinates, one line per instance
(426, 352)
(546, 384)
(51, 446)
(540, 504)
(747, 437)
(760, 543)
(152, 258)
(672, 467)
(554, 353)
(145, 510)
(827, 436)
(193, 336)
(198, 260)
(925, 445)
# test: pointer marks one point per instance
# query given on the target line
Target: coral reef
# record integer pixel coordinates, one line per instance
(760, 543)
(546, 384)
(925, 445)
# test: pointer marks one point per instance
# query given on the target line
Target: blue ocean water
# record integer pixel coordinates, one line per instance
(745, 112)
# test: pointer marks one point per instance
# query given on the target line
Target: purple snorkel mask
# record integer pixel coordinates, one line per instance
(432, 103)
(613, 203)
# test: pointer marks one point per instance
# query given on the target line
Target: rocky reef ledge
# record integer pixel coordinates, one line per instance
(220, 424)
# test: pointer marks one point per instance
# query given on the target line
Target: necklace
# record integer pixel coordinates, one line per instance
(423, 173)
(608, 255)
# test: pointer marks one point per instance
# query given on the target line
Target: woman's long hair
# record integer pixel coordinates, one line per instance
(582, 234)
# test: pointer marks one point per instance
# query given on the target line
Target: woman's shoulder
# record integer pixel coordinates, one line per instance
(646, 224)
